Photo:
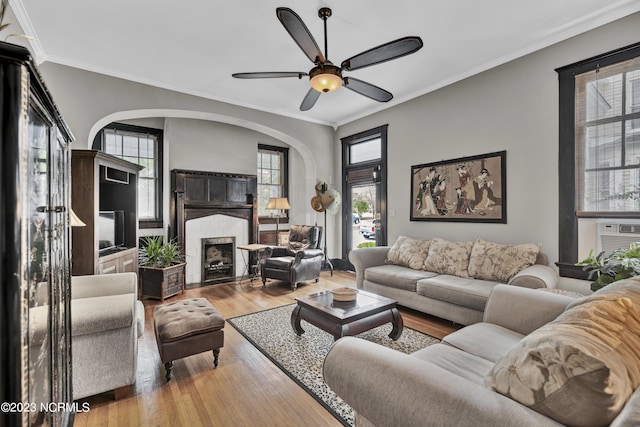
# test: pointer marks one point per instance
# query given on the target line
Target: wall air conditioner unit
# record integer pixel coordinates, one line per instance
(612, 236)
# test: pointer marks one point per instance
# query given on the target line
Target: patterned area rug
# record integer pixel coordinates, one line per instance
(301, 357)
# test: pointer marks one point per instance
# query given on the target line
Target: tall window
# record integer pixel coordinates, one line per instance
(272, 175)
(142, 146)
(608, 138)
(599, 143)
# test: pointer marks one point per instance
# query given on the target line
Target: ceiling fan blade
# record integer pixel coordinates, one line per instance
(384, 52)
(367, 89)
(309, 99)
(269, 75)
(300, 34)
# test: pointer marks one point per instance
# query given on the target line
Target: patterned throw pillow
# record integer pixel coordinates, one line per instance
(579, 369)
(302, 237)
(492, 261)
(408, 252)
(447, 257)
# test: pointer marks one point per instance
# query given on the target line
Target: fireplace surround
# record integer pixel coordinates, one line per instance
(200, 194)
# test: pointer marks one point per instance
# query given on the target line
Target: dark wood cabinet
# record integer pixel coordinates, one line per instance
(101, 184)
(35, 326)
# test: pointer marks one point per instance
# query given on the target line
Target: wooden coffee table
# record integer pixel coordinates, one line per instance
(347, 318)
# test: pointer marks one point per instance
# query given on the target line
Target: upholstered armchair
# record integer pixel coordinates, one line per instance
(106, 321)
(299, 261)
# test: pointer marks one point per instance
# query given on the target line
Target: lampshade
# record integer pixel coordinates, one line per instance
(278, 203)
(75, 221)
(326, 78)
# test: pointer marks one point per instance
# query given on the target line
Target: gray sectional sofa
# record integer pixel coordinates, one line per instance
(537, 359)
(451, 280)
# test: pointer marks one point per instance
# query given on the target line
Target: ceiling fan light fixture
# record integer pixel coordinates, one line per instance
(325, 78)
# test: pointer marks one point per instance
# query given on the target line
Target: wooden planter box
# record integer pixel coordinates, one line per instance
(161, 283)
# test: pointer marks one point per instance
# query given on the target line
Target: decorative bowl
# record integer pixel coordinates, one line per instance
(344, 294)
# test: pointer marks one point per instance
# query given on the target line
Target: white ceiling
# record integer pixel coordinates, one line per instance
(194, 46)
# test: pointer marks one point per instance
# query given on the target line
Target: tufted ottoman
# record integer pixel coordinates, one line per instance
(187, 327)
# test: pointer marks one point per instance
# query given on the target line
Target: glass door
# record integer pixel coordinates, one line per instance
(365, 210)
(364, 188)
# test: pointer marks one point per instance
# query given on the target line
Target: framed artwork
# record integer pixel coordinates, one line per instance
(468, 189)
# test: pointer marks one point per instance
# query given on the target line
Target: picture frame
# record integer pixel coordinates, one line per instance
(466, 189)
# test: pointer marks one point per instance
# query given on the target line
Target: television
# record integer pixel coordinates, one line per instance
(110, 230)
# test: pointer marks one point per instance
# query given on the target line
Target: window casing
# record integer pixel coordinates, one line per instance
(142, 146)
(598, 144)
(273, 171)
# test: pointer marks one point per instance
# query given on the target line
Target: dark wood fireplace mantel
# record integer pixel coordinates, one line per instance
(196, 194)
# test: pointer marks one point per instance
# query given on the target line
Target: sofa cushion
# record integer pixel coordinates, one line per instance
(463, 291)
(279, 263)
(493, 261)
(446, 257)
(579, 369)
(409, 252)
(460, 363)
(484, 340)
(395, 276)
(630, 414)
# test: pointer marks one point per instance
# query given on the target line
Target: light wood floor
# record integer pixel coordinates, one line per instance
(246, 389)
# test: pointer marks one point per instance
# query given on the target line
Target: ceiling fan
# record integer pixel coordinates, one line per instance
(326, 77)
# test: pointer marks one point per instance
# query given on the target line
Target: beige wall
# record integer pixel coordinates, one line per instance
(200, 134)
(513, 107)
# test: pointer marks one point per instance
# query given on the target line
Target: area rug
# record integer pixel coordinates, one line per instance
(301, 357)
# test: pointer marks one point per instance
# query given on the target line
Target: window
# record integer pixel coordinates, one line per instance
(608, 139)
(365, 151)
(142, 146)
(599, 136)
(272, 175)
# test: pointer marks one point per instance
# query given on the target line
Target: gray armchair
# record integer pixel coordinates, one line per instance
(106, 321)
(299, 261)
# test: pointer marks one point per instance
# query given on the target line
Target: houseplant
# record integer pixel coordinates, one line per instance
(161, 267)
(622, 263)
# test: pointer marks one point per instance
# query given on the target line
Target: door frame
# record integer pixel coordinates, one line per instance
(378, 168)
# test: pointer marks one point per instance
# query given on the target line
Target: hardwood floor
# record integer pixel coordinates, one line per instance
(246, 389)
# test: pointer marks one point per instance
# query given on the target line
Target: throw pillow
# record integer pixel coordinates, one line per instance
(628, 288)
(408, 252)
(579, 369)
(447, 257)
(302, 237)
(493, 261)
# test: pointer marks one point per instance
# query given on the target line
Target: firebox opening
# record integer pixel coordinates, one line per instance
(218, 259)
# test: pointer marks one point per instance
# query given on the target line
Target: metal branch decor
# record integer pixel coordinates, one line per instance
(467, 189)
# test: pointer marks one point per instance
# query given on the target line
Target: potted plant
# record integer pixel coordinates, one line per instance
(161, 268)
(621, 264)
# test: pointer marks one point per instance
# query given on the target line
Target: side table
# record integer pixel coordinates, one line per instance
(252, 270)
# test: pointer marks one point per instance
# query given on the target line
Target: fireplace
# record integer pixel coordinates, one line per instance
(218, 259)
(211, 205)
